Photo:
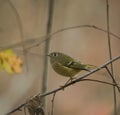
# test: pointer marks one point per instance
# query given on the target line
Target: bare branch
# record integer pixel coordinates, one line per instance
(113, 78)
(110, 56)
(69, 84)
(99, 81)
(52, 111)
(34, 42)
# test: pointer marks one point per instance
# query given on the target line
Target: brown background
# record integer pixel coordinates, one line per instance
(85, 44)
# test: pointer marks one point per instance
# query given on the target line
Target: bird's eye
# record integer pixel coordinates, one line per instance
(55, 54)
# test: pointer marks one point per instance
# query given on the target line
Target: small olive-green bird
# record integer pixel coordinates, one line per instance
(66, 65)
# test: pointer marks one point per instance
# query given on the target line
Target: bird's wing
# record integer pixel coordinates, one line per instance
(75, 65)
(64, 70)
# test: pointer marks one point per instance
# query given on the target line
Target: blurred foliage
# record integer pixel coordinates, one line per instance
(10, 62)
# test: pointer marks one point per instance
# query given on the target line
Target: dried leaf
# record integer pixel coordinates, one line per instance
(34, 106)
(10, 62)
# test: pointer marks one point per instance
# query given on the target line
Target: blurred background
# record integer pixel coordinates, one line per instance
(22, 20)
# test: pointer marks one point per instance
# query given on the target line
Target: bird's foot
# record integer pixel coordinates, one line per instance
(69, 81)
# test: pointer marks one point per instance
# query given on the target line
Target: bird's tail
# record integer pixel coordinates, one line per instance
(89, 67)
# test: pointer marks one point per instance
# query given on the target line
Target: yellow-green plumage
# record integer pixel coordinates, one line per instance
(66, 65)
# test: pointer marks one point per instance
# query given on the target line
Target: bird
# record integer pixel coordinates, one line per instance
(66, 65)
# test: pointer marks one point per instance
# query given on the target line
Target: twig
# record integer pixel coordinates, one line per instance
(110, 55)
(69, 28)
(99, 81)
(34, 42)
(20, 27)
(52, 111)
(113, 78)
(69, 84)
(25, 111)
(16, 109)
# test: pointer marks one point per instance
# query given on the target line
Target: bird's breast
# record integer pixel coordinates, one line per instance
(63, 70)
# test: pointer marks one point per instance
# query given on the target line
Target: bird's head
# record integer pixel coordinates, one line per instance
(56, 56)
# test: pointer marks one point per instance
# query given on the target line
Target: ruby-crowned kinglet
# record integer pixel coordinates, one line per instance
(66, 65)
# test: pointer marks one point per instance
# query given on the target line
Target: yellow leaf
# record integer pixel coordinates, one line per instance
(7, 67)
(10, 62)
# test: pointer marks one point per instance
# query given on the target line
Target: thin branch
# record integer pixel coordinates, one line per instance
(25, 111)
(20, 27)
(34, 42)
(69, 84)
(99, 81)
(18, 19)
(113, 78)
(52, 111)
(84, 26)
(110, 54)
(16, 109)
(73, 27)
